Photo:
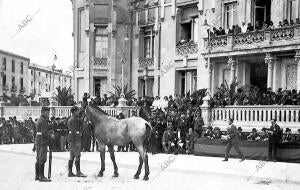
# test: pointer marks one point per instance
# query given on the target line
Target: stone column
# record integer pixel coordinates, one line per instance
(268, 60)
(297, 59)
(232, 65)
(209, 66)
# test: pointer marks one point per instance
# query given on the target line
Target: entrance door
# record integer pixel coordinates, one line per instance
(97, 86)
(259, 75)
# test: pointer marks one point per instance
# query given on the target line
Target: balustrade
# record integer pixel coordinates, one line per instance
(255, 37)
(100, 62)
(146, 62)
(187, 49)
(257, 116)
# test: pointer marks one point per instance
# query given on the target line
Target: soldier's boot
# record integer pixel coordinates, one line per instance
(70, 166)
(37, 171)
(42, 178)
(78, 174)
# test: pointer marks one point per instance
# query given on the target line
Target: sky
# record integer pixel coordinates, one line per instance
(47, 31)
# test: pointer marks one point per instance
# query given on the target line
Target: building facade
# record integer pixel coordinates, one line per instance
(175, 56)
(101, 31)
(42, 80)
(14, 74)
(169, 49)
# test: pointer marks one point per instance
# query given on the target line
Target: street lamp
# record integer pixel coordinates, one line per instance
(122, 101)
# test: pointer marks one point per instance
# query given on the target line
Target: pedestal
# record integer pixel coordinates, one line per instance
(122, 101)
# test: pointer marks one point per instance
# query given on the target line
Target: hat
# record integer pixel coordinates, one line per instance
(45, 109)
(239, 129)
(287, 129)
(74, 109)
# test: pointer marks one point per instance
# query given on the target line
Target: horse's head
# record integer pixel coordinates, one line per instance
(93, 113)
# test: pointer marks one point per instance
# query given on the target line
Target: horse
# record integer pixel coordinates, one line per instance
(111, 131)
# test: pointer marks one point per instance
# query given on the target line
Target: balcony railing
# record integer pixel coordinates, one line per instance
(100, 63)
(23, 112)
(14, 88)
(5, 87)
(22, 90)
(255, 38)
(186, 49)
(248, 117)
(146, 62)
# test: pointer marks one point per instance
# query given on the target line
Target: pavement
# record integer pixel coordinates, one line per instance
(164, 166)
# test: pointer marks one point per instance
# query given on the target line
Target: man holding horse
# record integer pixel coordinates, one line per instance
(74, 139)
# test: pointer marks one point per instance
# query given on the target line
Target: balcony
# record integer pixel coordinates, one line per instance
(286, 38)
(100, 63)
(147, 16)
(187, 49)
(146, 63)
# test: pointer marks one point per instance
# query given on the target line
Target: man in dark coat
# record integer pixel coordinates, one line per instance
(43, 138)
(74, 139)
(275, 135)
(233, 141)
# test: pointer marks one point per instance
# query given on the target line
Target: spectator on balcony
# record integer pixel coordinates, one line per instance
(236, 29)
(286, 98)
(215, 32)
(280, 25)
(292, 23)
(241, 135)
(265, 26)
(271, 25)
(246, 101)
(253, 135)
(285, 23)
(165, 104)
(257, 25)
(222, 31)
(228, 30)
(104, 100)
(250, 27)
(297, 21)
(244, 27)
(264, 134)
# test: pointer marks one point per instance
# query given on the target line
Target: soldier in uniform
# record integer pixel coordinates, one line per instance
(74, 139)
(42, 140)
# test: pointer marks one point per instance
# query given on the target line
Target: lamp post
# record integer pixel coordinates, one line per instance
(122, 100)
(53, 101)
(209, 66)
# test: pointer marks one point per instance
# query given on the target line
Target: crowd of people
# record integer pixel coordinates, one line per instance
(236, 29)
(255, 96)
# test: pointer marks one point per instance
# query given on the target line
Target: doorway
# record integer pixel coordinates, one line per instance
(259, 75)
(262, 11)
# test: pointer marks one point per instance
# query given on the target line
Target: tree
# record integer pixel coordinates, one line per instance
(228, 91)
(129, 94)
(64, 96)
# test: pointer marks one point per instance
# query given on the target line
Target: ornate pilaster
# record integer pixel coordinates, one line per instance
(231, 63)
(297, 59)
(269, 61)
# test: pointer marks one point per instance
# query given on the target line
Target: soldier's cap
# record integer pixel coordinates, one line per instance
(45, 109)
(74, 109)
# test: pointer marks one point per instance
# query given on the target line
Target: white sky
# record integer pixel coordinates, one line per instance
(50, 29)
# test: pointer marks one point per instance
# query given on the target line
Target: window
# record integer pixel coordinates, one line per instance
(13, 66)
(231, 17)
(101, 42)
(4, 80)
(4, 64)
(13, 81)
(81, 29)
(39, 73)
(293, 10)
(46, 75)
(21, 82)
(148, 44)
(31, 72)
(189, 30)
(31, 83)
(22, 69)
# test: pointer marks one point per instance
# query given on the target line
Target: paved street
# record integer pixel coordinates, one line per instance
(18, 173)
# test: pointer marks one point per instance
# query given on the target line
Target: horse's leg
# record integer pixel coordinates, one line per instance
(112, 156)
(138, 172)
(102, 156)
(144, 157)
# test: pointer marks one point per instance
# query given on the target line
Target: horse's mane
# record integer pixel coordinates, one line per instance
(98, 109)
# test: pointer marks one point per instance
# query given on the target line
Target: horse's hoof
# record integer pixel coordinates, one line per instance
(136, 177)
(116, 175)
(146, 178)
(100, 174)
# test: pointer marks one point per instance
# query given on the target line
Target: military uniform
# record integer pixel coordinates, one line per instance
(42, 141)
(74, 139)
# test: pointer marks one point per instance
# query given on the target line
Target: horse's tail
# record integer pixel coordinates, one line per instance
(147, 136)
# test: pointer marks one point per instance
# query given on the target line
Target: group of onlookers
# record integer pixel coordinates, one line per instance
(237, 29)
(255, 96)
